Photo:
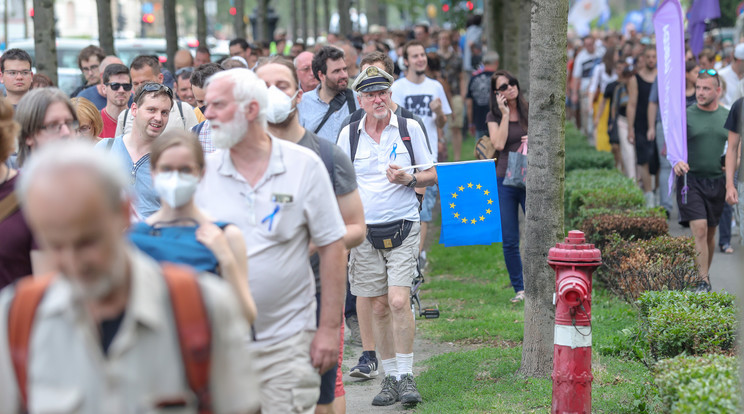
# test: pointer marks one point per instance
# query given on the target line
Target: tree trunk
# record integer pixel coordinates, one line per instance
(326, 16)
(525, 8)
(544, 218)
(344, 19)
(171, 32)
(510, 16)
(263, 21)
(5, 22)
(293, 20)
(105, 27)
(24, 15)
(239, 23)
(493, 25)
(201, 23)
(44, 39)
(304, 20)
(315, 18)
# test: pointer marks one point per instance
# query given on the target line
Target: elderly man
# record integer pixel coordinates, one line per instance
(304, 64)
(383, 266)
(103, 334)
(280, 196)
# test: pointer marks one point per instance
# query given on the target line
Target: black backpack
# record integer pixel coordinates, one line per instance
(402, 130)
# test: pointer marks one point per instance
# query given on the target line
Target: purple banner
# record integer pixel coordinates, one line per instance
(700, 11)
(670, 48)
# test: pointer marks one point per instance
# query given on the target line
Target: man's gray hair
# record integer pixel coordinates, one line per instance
(247, 87)
(60, 156)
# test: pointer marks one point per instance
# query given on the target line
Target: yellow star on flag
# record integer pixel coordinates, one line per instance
(490, 201)
(457, 215)
(486, 192)
(452, 205)
(470, 185)
(454, 195)
(478, 187)
(464, 220)
(472, 221)
(461, 188)
(482, 218)
(488, 211)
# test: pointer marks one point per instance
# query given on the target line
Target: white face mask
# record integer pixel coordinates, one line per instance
(280, 105)
(175, 188)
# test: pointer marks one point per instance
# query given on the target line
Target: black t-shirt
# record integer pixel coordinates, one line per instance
(622, 97)
(479, 90)
(109, 327)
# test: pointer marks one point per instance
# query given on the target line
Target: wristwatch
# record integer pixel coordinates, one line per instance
(412, 184)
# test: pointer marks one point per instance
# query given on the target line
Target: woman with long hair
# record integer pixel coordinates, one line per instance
(180, 232)
(507, 128)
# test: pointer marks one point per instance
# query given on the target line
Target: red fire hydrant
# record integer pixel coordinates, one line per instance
(573, 261)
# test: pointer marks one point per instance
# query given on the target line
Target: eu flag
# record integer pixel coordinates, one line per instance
(470, 204)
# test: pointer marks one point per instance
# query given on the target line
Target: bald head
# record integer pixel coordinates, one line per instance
(108, 60)
(183, 59)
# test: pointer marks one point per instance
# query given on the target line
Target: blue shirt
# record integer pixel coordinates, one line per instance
(91, 93)
(146, 200)
(312, 109)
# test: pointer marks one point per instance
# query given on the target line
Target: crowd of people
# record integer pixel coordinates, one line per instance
(198, 238)
(613, 97)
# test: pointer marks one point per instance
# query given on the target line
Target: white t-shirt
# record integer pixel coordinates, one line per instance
(416, 97)
(733, 87)
(384, 201)
(600, 79)
(174, 119)
(584, 66)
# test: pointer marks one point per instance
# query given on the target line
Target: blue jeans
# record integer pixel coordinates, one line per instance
(510, 199)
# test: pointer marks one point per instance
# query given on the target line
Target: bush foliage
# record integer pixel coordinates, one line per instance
(592, 189)
(581, 155)
(600, 223)
(705, 384)
(631, 267)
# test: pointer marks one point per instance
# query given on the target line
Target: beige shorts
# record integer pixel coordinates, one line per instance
(289, 383)
(456, 119)
(372, 270)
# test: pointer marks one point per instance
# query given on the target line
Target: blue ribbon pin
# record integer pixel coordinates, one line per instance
(393, 155)
(270, 217)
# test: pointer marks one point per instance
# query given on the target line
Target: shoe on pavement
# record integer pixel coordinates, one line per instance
(366, 368)
(703, 287)
(355, 337)
(407, 390)
(389, 393)
(518, 298)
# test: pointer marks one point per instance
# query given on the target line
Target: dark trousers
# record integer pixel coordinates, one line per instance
(350, 305)
(510, 199)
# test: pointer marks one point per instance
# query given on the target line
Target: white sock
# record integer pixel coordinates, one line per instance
(390, 367)
(405, 364)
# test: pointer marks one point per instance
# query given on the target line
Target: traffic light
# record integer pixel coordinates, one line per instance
(445, 7)
(148, 18)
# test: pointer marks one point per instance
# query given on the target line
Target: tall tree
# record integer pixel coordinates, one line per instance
(510, 16)
(171, 32)
(326, 15)
(45, 46)
(525, 9)
(24, 14)
(239, 22)
(105, 27)
(5, 22)
(263, 21)
(315, 12)
(293, 20)
(344, 18)
(493, 25)
(201, 23)
(544, 218)
(304, 20)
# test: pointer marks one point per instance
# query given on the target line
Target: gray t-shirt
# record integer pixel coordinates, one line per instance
(343, 181)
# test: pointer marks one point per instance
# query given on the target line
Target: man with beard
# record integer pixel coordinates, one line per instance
(701, 176)
(424, 97)
(151, 110)
(382, 268)
(304, 64)
(146, 69)
(284, 95)
(324, 108)
(117, 85)
(280, 196)
(199, 89)
(102, 336)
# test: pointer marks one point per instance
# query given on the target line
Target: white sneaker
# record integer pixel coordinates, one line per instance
(650, 199)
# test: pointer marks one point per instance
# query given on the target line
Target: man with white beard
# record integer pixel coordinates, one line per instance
(279, 194)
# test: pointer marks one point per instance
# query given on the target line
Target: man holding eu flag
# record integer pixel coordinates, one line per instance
(382, 145)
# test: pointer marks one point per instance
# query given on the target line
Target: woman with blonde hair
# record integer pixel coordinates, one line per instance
(90, 123)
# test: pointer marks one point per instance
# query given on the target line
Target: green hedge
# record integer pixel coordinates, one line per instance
(581, 155)
(705, 384)
(676, 323)
(590, 189)
(600, 223)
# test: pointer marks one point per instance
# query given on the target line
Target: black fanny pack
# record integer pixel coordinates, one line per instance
(388, 235)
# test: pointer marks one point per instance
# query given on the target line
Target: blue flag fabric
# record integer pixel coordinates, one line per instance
(470, 204)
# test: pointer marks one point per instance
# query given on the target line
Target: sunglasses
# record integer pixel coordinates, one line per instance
(181, 71)
(504, 87)
(116, 85)
(711, 72)
(153, 87)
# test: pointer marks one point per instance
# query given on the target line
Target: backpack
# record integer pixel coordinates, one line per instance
(402, 130)
(189, 312)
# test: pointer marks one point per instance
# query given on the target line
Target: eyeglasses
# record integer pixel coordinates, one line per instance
(116, 85)
(84, 129)
(372, 96)
(711, 72)
(14, 73)
(90, 68)
(504, 87)
(153, 87)
(56, 128)
(181, 71)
